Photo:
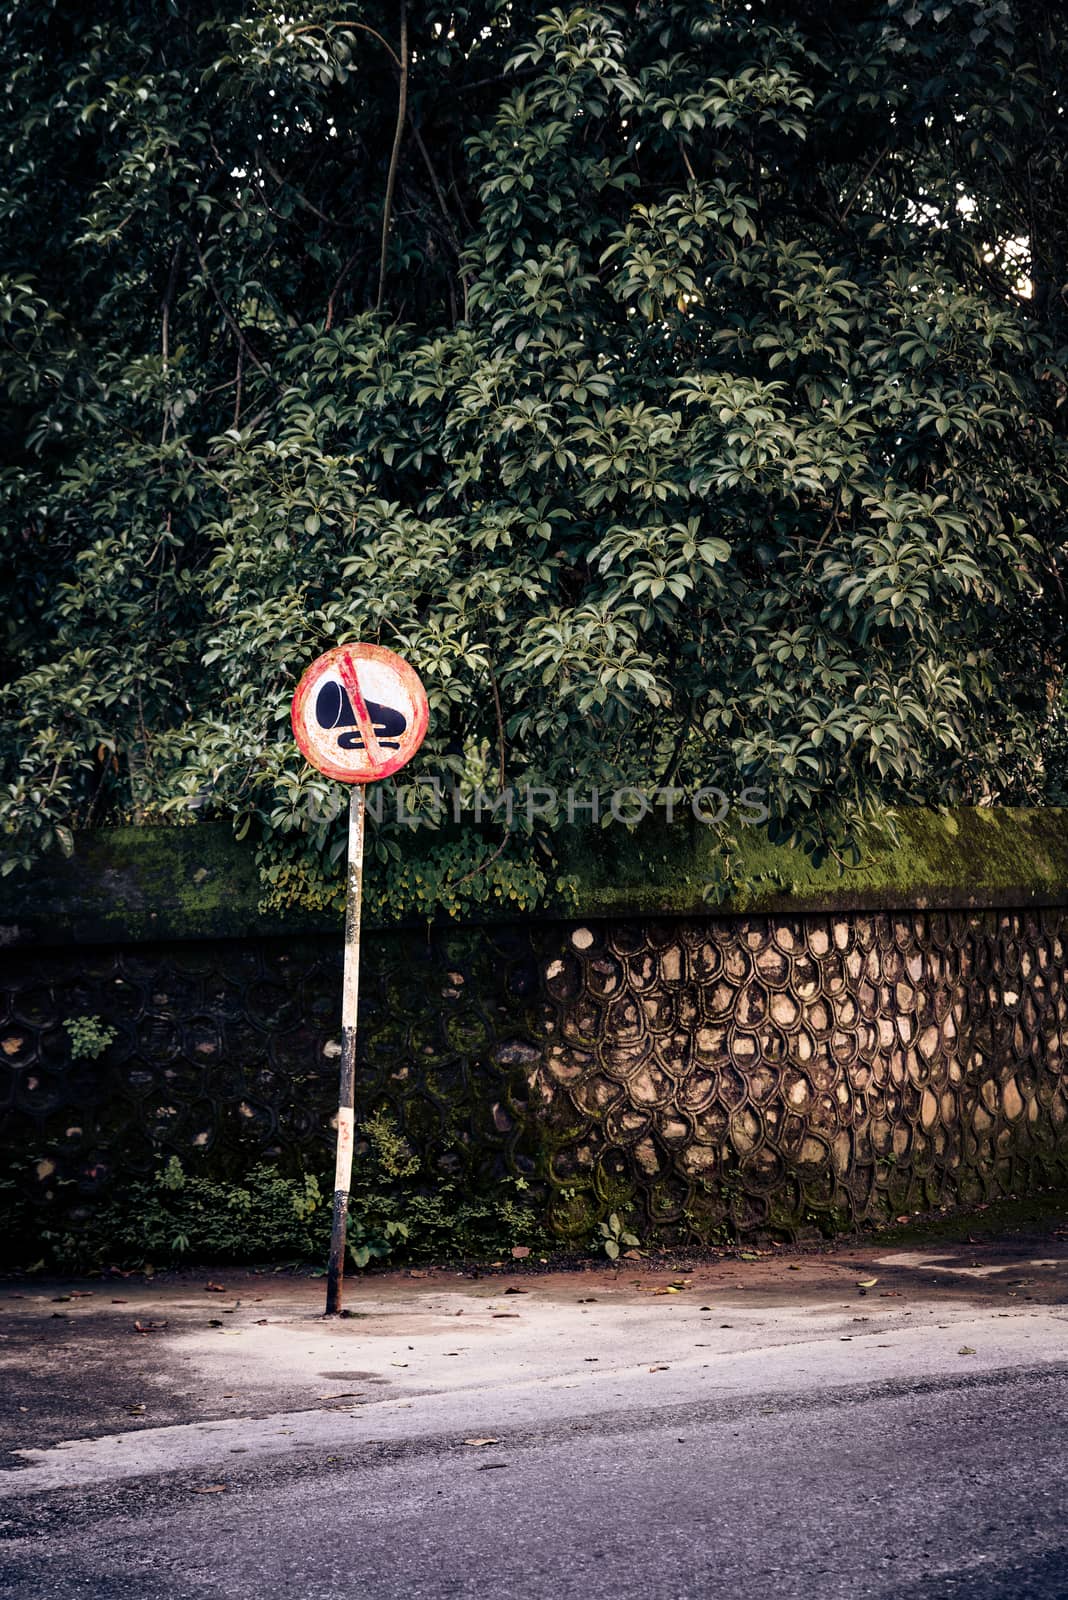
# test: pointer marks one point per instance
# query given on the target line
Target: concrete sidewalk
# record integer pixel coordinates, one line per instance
(120, 1378)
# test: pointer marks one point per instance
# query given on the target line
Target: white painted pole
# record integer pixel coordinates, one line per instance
(350, 997)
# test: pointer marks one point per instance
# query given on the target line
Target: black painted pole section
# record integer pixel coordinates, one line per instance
(350, 997)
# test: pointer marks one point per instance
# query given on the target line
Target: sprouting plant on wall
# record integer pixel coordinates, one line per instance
(613, 1235)
(89, 1037)
(390, 1147)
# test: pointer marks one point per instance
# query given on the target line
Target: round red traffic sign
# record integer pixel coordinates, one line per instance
(359, 713)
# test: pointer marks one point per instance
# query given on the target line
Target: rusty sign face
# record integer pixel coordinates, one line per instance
(359, 713)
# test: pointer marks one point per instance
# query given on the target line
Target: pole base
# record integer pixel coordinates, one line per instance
(335, 1272)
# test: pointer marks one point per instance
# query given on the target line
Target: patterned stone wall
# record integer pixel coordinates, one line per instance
(783, 1070)
(227, 1052)
(705, 1075)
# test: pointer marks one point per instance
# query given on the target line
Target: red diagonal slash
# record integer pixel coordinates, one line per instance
(347, 673)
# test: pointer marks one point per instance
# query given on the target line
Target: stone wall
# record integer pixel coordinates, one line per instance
(727, 1073)
(773, 1071)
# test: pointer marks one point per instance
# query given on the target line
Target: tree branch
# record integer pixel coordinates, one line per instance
(302, 199)
(321, 27)
(338, 281)
(440, 196)
(231, 323)
(165, 330)
(501, 745)
(394, 157)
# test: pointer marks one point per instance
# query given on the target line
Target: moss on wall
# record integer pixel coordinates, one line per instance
(954, 859)
(132, 884)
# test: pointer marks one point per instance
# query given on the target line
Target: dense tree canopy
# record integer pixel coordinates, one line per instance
(676, 384)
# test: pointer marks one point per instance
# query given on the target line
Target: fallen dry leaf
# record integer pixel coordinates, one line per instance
(514, 1290)
(793, 1267)
(478, 1443)
(149, 1327)
(346, 1394)
(488, 1466)
(659, 1369)
(866, 1283)
(215, 1288)
(507, 1314)
(209, 1488)
(966, 1350)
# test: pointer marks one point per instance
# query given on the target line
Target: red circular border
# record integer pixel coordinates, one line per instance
(361, 652)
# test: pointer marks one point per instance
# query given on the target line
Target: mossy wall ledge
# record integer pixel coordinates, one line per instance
(130, 885)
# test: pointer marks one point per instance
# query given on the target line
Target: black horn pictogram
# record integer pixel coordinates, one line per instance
(333, 709)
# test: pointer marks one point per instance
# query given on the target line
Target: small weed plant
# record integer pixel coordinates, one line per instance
(614, 1237)
(89, 1037)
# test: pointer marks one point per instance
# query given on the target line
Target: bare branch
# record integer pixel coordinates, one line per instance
(231, 323)
(398, 135)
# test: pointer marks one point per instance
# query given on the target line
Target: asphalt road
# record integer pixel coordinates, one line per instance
(953, 1488)
(779, 1430)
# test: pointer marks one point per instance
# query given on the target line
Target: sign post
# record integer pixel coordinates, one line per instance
(359, 714)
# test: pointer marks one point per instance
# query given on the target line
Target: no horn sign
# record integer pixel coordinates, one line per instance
(359, 713)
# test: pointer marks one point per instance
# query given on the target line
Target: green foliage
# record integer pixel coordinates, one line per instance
(1055, 752)
(705, 425)
(365, 1246)
(89, 1037)
(398, 1212)
(451, 877)
(262, 1217)
(614, 1237)
(398, 1208)
(391, 1152)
